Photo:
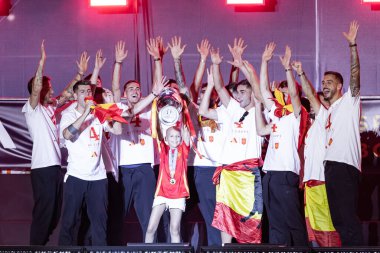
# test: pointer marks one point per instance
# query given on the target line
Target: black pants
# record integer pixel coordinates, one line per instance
(115, 212)
(47, 195)
(207, 201)
(139, 184)
(282, 202)
(79, 194)
(342, 187)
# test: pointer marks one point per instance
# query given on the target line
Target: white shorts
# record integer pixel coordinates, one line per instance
(170, 203)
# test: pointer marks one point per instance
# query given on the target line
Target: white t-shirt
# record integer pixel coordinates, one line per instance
(342, 131)
(282, 154)
(135, 145)
(241, 141)
(44, 132)
(209, 141)
(314, 152)
(85, 155)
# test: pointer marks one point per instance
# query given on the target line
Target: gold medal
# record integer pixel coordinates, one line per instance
(172, 181)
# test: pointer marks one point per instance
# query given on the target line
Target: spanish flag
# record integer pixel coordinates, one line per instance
(239, 202)
(108, 112)
(317, 213)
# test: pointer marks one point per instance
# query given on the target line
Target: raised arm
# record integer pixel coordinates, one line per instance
(67, 93)
(307, 87)
(177, 51)
(237, 51)
(292, 87)
(204, 107)
(186, 135)
(34, 98)
(153, 46)
(223, 94)
(99, 62)
(251, 75)
(264, 79)
(158, 86)
(120, 54)
(203, 50)
(354, 58)
(262, 128)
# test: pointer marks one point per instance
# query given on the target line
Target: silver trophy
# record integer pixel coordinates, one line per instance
(169, 109)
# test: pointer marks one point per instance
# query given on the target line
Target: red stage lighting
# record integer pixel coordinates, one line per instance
(246, 2)
(108, 3)
(5, 6)
(114, 6)
(375, 4)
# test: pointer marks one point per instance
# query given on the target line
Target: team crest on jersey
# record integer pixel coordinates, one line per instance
(211, 138)
(244, 141)
(142, 142)
(274, 127)
(276, 145)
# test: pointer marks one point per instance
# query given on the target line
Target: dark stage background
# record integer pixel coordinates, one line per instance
(312, 28)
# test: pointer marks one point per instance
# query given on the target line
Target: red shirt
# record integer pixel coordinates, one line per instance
(181, 187)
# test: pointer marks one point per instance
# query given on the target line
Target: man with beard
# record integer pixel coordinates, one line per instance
(343, 149)
(46, 175)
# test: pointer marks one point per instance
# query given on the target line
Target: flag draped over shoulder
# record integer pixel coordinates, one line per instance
(317, 213)
(108, 112)
(239, 201)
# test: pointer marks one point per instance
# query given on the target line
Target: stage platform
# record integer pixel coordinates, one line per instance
(185, 248)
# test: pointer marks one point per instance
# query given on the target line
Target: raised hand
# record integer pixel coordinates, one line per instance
(82, 64)
(268, 51)
(175, 47)
(161, 47)
(120, 52)
(285, 60)
(159, 85)
(152, 45)
(107, 96)
(215, 56)
(297, 66)
(353, 31)
(99, 61)
(204, 49)
(237, 52)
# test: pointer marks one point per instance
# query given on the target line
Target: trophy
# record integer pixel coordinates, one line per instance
(169, 108)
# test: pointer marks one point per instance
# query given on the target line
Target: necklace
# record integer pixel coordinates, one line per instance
(172, 164)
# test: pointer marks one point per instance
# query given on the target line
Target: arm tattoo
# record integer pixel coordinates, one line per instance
(355, 72)
(180, 78)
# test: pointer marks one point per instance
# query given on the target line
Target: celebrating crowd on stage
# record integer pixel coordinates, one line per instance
(256, 148)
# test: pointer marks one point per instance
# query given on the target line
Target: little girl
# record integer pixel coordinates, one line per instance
(172, 187)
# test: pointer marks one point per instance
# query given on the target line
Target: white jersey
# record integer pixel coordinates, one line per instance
(135, 145)
(282, 153)
(85, 155)
(44, 132)
(314, 152)
(209, 141)
(241, 141)
(342, 131)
